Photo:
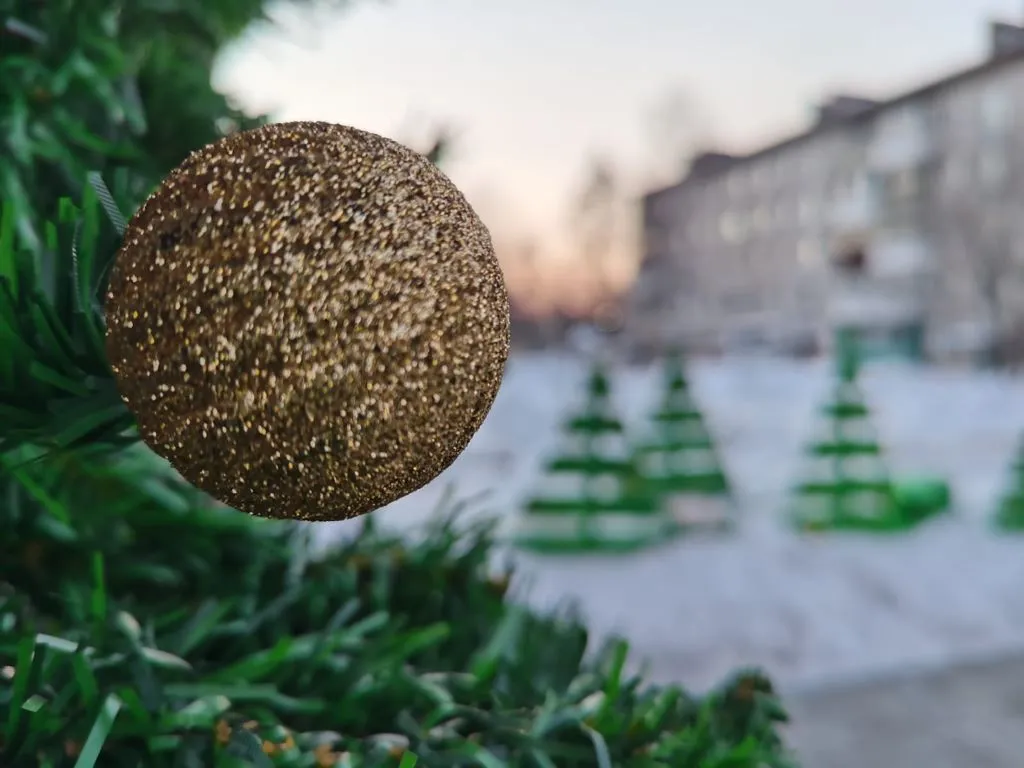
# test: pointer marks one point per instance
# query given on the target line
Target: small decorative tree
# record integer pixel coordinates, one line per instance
(848, 484)
(680, 458)
(592, 497)
(1010, 512)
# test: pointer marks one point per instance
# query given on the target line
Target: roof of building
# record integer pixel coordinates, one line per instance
(871, 109)
(935, 86)
(703, 165)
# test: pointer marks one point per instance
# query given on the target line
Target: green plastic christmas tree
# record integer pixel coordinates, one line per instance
(592, 497)
(848, 484)
(1010, 512)
(680, 458)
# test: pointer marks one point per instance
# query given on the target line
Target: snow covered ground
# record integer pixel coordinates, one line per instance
(812, 610)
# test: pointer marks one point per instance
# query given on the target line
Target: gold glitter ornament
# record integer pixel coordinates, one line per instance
(307, 320)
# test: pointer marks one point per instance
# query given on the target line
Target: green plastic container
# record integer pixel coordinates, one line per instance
(918, 498)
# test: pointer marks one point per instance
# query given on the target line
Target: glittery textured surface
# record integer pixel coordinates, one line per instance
(308, 321)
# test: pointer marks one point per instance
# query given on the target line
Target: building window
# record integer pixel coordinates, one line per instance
(991, 167)
(741, 300)
(729, 227)
(954, 173)
(996, 111)
(900, 198)
(902, 185)
(807, 212)
(808, 253)
(679, 240)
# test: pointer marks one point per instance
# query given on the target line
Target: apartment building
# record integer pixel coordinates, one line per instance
(904, 215)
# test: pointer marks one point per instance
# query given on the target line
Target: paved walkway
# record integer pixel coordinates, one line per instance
(971, 716)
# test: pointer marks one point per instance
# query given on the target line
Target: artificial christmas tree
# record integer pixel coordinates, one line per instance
(848, 484)
(134, 608)
(680, 458)
(1010, 512)
(592, 497)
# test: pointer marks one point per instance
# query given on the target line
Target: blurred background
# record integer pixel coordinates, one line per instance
(765, 188)
(792, 228)
(695, 171)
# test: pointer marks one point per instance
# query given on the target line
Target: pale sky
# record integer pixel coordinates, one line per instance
(535, 88)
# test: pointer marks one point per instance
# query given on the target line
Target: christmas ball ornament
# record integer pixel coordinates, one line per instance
(307, 320)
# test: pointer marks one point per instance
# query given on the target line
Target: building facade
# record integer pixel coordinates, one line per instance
(901, 215)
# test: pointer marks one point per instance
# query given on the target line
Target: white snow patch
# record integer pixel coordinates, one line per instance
(810, 609)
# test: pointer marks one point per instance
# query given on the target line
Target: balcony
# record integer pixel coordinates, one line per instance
(900, 140)
(893, 288)
(900, 255)
(855, 209)
(876, 302)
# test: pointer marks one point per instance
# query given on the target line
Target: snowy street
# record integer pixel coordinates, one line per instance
(812, 610)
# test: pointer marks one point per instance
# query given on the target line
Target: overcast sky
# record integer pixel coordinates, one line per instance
(537, 87)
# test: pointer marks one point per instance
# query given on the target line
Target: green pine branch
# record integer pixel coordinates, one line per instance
(57, 391)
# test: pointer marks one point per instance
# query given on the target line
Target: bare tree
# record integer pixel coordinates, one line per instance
(984, 225)
(440, 148)
(678, 127)
(436, 145)
(987, 240)
(596, 216)
(545, 324)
